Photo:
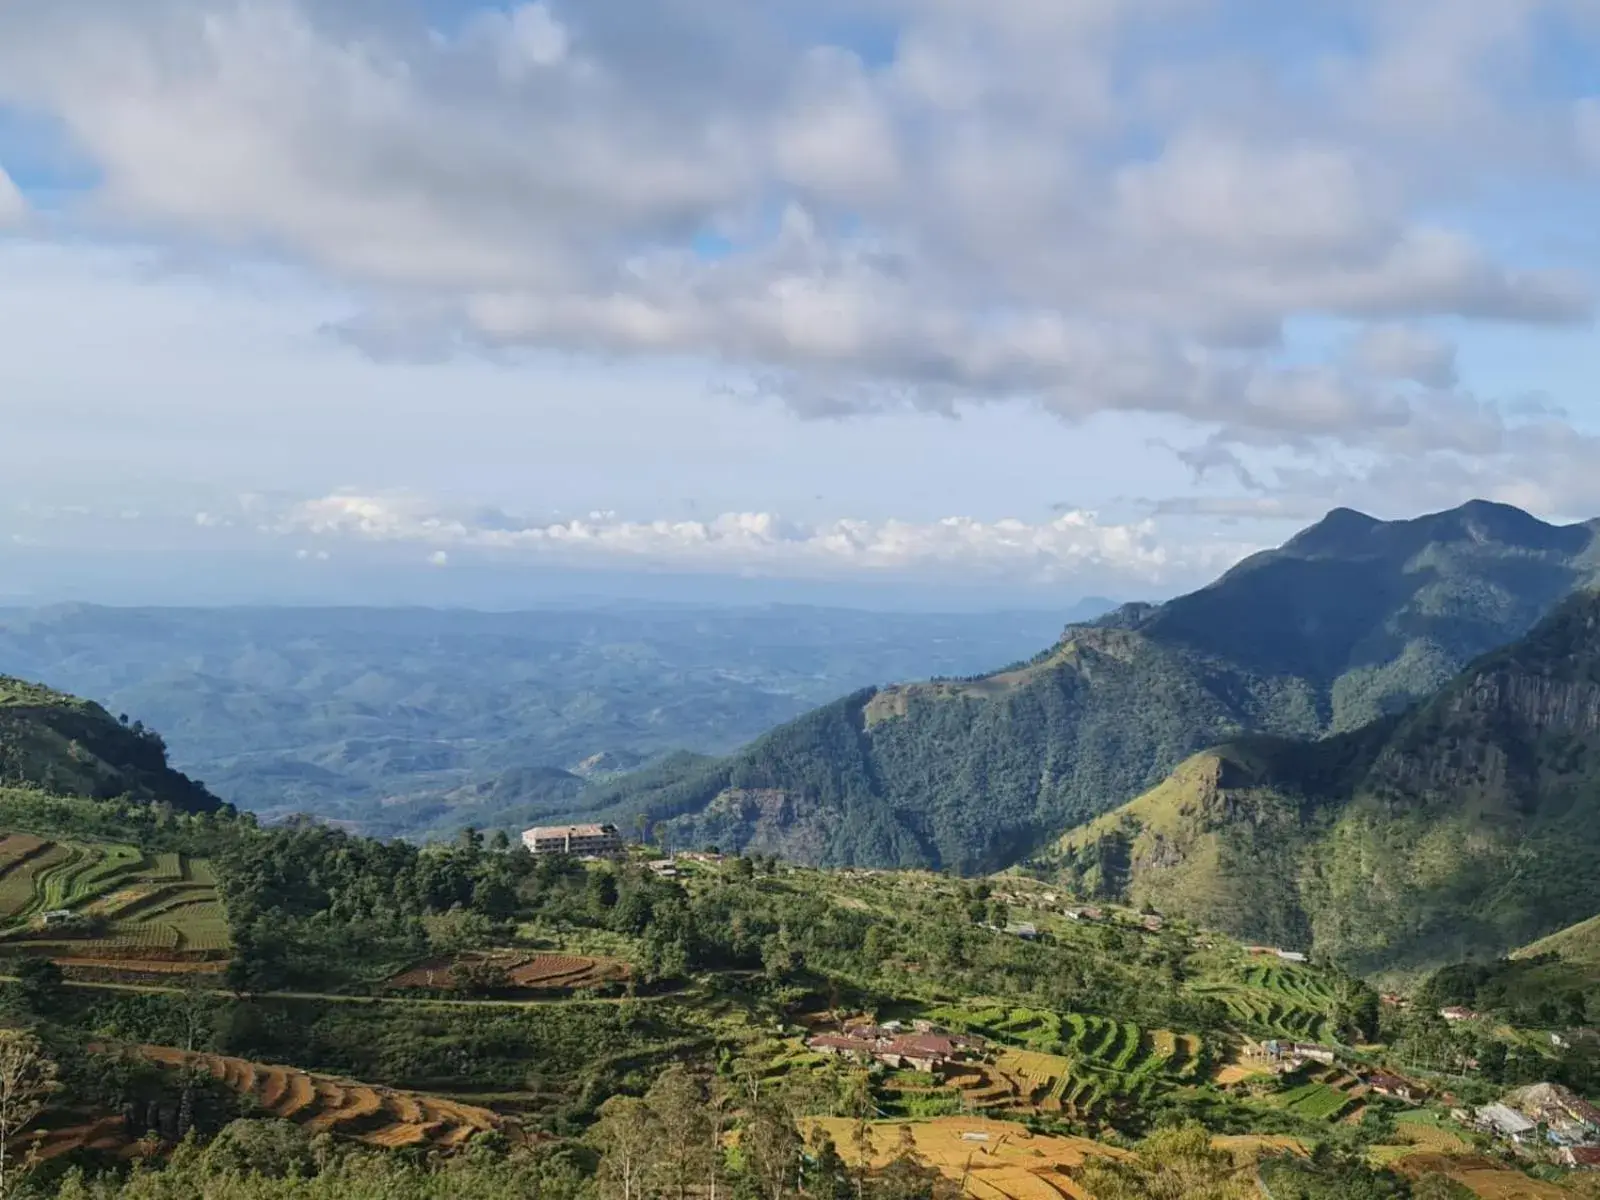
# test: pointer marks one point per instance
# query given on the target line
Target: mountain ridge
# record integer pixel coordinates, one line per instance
(1465, 826)
(1348, 621)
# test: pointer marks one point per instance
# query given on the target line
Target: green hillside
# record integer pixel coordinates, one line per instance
(71, 747)
(1467, 826)
(1351, 619)
(1578, 944)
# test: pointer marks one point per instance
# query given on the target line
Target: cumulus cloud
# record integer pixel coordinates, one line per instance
(1405, 352)
(977, 215)
(1072, 546)
(877, 205)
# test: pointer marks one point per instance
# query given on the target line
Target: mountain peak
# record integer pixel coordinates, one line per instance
(1340, 532)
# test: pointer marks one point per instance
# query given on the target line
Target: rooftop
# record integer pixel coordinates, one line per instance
(564, 831)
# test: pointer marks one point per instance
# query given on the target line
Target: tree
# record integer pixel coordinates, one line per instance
(27, 1081)
(628, 1136)
(501, 842)
(678, 1101)
(828, 1177)
(771, 1148)
(1173, 1164)
(39, 983)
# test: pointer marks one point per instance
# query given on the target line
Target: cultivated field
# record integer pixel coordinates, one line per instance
(992, 1160)
(1276, 1000)
(377, 1116)
(1067, 1062)
(531, 972)
(1483, 1177)
(124, 904)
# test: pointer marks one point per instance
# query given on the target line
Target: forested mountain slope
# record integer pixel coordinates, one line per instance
(66, 746)
(1469, 825)
(1351, 619)
(410, 721)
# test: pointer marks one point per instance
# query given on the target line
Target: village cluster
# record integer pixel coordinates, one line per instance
(923, 1047)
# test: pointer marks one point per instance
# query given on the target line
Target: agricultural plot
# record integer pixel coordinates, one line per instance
(377, 1116)
(1276, 1001)
(1328, 1095)
(515, 969)
(1075, 1063)
(122, 903)
(988, 1159)
(1483, 1177)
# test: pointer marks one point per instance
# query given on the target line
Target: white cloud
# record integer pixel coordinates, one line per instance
(13, 206)
(978, 217)
(1405, 352)
(1050, 203)
(1074, 545)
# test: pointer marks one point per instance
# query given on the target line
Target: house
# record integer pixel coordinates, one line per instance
(1395, 1087)
(57, 916)
(843, 1046)
(1505, 1122)
(1084, 914)
(1566, 1114)
(1152, 923)
(1026, 930)
(1293, 1055)
(1456, 1013)
(586, 841)
(922, 1052)
(1582, 1158)
(1292, 956)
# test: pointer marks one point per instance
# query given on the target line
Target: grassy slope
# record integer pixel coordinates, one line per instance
(1467, 825)
(1578, 943)
(1352, 619)
(68, 746)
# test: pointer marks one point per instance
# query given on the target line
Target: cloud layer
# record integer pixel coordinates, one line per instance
(1074, 548)
(1128, 206)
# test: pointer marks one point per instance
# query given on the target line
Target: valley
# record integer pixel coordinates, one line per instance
(904, 947)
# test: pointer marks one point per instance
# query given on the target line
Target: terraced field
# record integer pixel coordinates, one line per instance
(1082, 1065)
(1276, 1001)
(124, 903)
(534, 972)
(377, 1116)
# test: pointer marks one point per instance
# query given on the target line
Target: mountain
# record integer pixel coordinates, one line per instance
(1466, 826)
(1351, 619)
(415, 721)
(59, 744)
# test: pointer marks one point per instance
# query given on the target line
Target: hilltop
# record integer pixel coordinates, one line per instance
(1351, 620)
(1578, 944)
(62, 745)
(1468, 825)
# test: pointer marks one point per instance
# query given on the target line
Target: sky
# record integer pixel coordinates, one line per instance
(1010, 301)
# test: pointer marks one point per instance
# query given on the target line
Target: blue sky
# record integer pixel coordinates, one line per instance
(1024, 298)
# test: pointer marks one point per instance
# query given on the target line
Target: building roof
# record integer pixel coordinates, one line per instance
(924, 1045)
(1506, 1120)
(1585, 1156)
(1390, 1083)
(565, 831)
(833, 1041)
